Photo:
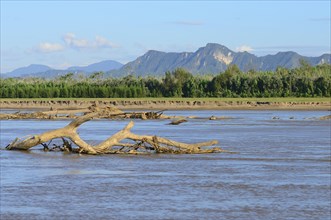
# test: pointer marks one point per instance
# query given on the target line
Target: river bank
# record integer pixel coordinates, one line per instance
(169, 104)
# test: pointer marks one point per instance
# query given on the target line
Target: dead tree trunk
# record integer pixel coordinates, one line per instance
(139, 144)
(108, 112)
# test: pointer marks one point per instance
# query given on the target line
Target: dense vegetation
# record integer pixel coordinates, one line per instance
(305, 81)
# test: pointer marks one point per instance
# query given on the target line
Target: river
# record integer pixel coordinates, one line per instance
(280, 170)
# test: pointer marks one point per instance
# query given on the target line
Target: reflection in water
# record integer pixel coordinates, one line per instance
(281, 171)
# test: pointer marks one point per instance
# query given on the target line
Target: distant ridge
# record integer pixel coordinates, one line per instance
(213, 58)
(103, 66)
(31, 69)
(210, 59)
(36, 70)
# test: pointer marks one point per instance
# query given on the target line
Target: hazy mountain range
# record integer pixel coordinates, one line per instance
(213, 59)
(37, 70)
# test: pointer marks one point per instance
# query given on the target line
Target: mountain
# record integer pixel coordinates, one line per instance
(153, 62)
(32, 69)
(36, 70)
(210, 59)
(103, 66)
(213, 58)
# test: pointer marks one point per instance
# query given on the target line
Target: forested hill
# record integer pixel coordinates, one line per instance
(213, 59)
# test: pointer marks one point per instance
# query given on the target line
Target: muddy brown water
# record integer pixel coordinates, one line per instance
(281, 171)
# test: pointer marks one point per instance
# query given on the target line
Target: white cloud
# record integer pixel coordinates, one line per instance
(103, 42)
(49, 47)
(244, 48)
(72, 41)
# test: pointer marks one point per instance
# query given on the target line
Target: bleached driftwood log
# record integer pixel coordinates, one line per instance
(139, 144)
(107, 112)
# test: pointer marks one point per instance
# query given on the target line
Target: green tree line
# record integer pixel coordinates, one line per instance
(304, 81)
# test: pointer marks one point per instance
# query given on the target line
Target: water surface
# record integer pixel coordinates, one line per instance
(281, 171)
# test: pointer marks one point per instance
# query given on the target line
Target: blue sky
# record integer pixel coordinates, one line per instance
(77, 33)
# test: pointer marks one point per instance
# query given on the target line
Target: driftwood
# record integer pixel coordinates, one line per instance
(139, 144)
(107, 113)
(178, 121)
(327, 117)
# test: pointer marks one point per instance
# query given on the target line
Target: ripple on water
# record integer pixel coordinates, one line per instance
(281, 171)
